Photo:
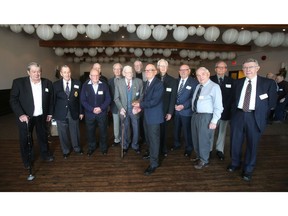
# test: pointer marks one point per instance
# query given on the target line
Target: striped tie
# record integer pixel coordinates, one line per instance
(179, 91)
(196, 98)
(247, 97)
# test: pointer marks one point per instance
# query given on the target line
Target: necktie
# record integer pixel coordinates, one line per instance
(221, 81)
(247, 97)
(67, 91)
(128, 86)
(180, 90)
(196, 98)
(147, 86)
(162, 78)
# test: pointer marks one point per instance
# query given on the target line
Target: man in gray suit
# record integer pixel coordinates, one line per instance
(128, 90)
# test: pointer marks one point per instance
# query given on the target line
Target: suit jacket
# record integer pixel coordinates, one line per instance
(120, 96)
(185, 98)
(21, 97)
(152, 102)
(226, 90)
(90, 100)
(62, 103)
(111, 83)
(266, 96)
(170, 93)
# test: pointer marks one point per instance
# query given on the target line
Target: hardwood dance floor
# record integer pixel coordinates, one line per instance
(112, 173)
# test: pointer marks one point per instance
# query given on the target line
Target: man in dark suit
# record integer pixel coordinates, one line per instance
(226, 85)
(31, 100)
(95, 99)
(152, 106)
(253, 98)
(169, 99)
(68, 111)
(183, 110)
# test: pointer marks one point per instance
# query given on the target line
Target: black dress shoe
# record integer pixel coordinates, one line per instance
(79, 152)
(65, 156)
(174, 148)
(90, 152)
(220, 155)
(187, 154)
(246, 177)
(125, 151)
(115, 143)
(149, 170)
(49, 159)
(195, 160)
(231, 168)
(146, 156)
(104, 152)
(138, 151)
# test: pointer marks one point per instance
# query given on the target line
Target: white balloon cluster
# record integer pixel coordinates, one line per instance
(191, 54)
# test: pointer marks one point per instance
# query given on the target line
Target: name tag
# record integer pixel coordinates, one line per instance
(188, 87)
(137, 93)
(263, 96)
(280, 89)
(228, 85)
(168, 89)
(201, 97)
(76, 86)
(46, 90)
(100, 92)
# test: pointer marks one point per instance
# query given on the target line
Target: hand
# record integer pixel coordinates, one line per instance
(48, 118)
(81, 116)
(179, 107)
(136, 110)
(168, 117)
(212, 126)
(123, 112)
(282, 100)
(136, 104)
(97, 110)
(24, 118)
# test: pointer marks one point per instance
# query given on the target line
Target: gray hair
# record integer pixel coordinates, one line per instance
(33, 64)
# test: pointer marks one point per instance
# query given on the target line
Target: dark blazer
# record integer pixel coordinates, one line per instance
(266, 96)
(226, 90)
(90, 100)
(21, 97)
(152, 102)
(111, 83)
(62, 103)
(170, 92)
(186, 95)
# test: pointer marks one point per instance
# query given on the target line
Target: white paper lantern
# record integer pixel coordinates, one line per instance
(116, 49)
(148, 52)
(76, 60)
(231, 55)
(244, 37)
(200, 31)
(211, 55)
(191, 30)
(138, 52)
(92, 51)
(263, 39)
(105, 28)
(71, 50)
(160, 51)
(93, 31)
(56, 29)
(109, 51)
(204, 55)
(79, 52)
(131, 28)
(143, 32)
(122, 59)
(285, 42)
(16, 28)
(277, 39)
(155, 51)
(180, 33)
(29, 29)
(45, 32)
(106, 59)
(159, 33)
(183, 53)
(223, 55)
(116, 59)
(191, 54)
(212, 33)
(66, 50)
(124, 49)
(166, 52)
(254, 34)
(88, 59)
(69, 32)
(59, 51)
(230, 36)
(131, 50)
(100, 49)
(81, 29)
(85, 50)
(114, 27)
(101, 59)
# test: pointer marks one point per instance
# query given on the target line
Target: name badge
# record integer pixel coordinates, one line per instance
(168, 89)
(46, 90)
(263, 96)
(228, 85)
(201, 97)
(280, 89)
(188, 87)
(76, 86)
(137, 93)
(100, 92)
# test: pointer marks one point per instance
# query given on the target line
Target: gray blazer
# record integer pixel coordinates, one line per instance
(120, 96)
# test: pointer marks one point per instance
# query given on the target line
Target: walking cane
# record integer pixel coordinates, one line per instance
(29, 140)
(122, 118)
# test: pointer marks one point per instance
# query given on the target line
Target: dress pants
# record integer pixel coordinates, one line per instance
(220, 142)
(131, 125)
(152, 132)
(116, 127)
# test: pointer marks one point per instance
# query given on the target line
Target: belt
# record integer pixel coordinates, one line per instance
(249, 111)
(202, 113)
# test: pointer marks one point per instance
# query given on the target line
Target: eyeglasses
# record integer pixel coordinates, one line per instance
(221, 67)
(249, 68)
(184, 69)
(149, 70)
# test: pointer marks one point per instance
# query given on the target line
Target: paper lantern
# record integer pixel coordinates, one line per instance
(211, 55)
(45, 32)
(106, 59)
(93, 31)
(71, 50)
(29, 29)
(69, 32)
(212, 33)
(285, 42)
(204, 55)
(160, 51)
(116, 49)
(191, 54)
(16, 28)
(230, 36)
(114, 27)
(122, 59)
(101, 59)
(200, 31)
(183, 53)
(223, 55)
(277, 39)
(79, 52)
(231, 55)
(76, 60)
(59, 51)
(66, 50)
(92, 51)
(131, 50)
(166, 52)
(159, 33)
(244, 37)
(81, 29)
(109, 51)
(124, 49)
(100, 49)
(131, 28)
(143, 32)
(138, 52)
(56, 29)
(180, 33)
(88, 59)
(263, 39)
(105, 28)
(85, 50)
(191, 30)
(148, 52)
(116, 59)
(254, 34)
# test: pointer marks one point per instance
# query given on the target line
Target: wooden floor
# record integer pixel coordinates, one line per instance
(112, 173)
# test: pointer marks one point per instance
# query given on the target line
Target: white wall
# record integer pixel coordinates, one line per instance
(17, 50)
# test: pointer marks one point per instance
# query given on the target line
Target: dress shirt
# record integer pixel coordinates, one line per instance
(65, 84)
(37, 98)
(183, 82)
(253, 94)
(95, 86)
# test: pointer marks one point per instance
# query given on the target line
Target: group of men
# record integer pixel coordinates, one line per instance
(149, 99)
